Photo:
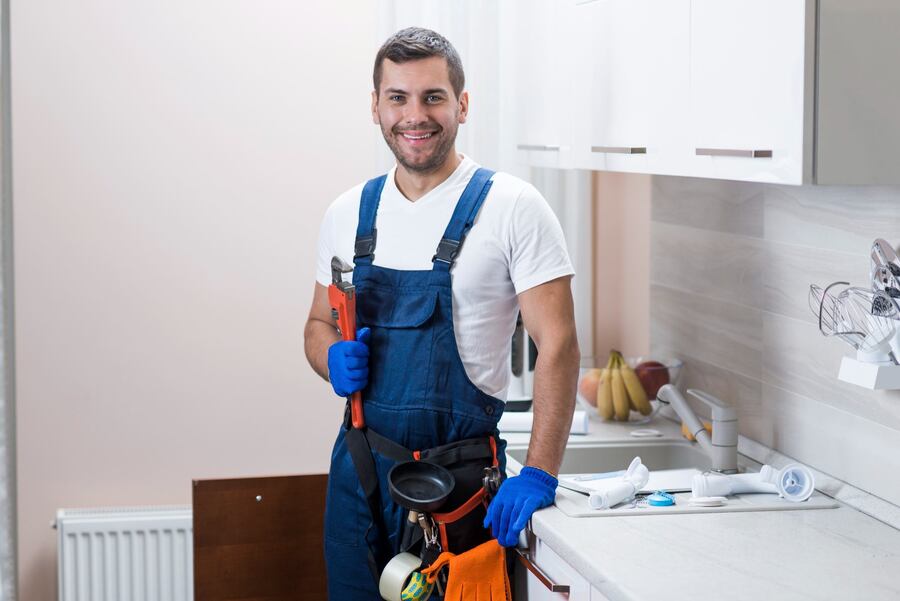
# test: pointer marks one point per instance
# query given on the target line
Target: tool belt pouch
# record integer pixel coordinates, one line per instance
(460, 521)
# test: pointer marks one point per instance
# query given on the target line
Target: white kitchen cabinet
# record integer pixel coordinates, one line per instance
(539, 52)
(549, 569)
(780, 91)
(633, 59)
(751, 93)
(795, 91)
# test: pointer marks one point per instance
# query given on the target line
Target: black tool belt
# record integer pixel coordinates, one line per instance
(461, 526)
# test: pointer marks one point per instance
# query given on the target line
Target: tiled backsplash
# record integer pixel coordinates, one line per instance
(731, 265)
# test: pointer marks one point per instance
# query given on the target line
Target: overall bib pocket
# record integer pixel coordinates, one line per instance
(400, 322)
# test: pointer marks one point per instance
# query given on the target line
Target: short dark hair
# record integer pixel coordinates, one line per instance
(414, 43)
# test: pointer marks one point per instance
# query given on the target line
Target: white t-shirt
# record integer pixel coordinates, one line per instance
(515, 244)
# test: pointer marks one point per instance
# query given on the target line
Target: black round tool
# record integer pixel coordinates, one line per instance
(420, 486)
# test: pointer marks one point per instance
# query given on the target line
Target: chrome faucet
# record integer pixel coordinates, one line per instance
(722, 446)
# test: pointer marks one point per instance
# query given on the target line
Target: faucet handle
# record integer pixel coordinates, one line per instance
(721, 411)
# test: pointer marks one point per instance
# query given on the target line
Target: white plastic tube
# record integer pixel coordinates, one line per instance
(604, 499)
(722, 485)
(793, 482)
(635, 478)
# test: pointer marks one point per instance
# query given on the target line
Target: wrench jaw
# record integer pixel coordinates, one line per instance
(342, 297)
(338, 269)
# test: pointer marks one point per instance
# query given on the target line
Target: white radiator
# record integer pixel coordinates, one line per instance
(125, 554)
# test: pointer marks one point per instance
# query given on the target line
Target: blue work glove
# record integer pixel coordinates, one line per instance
(515, 501)
(348, 364)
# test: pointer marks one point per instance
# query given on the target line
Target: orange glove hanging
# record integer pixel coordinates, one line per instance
(476, 575)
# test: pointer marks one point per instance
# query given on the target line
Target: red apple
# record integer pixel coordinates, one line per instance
(653, 376)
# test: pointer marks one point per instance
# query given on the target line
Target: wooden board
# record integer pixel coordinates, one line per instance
(259, 539)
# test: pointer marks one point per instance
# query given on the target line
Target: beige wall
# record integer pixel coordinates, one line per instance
(622, 264)
(732, 264)
(171, 165)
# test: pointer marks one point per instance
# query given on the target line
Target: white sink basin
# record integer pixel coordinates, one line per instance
(612, 457)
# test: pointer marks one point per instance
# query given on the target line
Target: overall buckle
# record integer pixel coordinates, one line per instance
(365, 245)
(447, 251)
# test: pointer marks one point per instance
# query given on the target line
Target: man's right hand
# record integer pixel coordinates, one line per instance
(348, 364)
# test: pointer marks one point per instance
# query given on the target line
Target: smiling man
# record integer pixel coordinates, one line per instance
(445, 254)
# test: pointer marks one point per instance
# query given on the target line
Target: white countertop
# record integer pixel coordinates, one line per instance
(837, 553)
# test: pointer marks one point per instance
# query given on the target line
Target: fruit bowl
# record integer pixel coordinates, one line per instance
(666, 371)
(652, 373)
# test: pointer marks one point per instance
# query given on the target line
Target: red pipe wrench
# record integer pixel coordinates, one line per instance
(342, 298)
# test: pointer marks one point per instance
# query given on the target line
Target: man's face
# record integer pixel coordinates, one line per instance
(418, 112)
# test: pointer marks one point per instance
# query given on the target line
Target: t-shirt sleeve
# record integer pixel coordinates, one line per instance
(326, 248)
(538, 251)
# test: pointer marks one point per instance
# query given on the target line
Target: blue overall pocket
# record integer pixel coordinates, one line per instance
(401, 343)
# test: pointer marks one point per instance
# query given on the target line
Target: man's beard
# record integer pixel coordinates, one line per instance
(438, 158)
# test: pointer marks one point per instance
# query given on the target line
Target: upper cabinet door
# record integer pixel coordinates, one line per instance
(632, 85)
(749, 76)
(542, 64)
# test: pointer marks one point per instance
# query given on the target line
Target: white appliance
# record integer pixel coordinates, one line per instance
(522, 358)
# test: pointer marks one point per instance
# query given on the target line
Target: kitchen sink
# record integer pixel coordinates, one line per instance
(613, 457)
(661, 455)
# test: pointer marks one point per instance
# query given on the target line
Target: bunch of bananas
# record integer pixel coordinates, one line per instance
(620, 390)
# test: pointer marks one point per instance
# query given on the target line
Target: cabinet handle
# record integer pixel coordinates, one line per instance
(537, 147)
(620, 149)
(551, 586)
(730, 152)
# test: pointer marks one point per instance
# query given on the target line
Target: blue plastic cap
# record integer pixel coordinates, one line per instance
(661, 499)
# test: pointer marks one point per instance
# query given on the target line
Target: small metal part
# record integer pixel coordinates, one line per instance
(428, 528)
(734, 152)
(491, 481)
(258, 498)
(538, 147)
(620, 149)
(524, 554)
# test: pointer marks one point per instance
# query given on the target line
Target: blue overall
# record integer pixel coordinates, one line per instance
(418, 394)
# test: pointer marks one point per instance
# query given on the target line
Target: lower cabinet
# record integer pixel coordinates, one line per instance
(547, 570)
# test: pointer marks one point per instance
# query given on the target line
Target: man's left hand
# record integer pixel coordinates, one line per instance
(515, 501)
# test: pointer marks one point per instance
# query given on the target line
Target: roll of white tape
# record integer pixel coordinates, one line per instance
(396, 573)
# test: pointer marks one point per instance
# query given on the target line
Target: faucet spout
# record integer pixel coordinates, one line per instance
(722, 445)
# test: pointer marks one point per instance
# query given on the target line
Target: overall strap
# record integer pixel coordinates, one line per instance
(462, 220)
(364, 250)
